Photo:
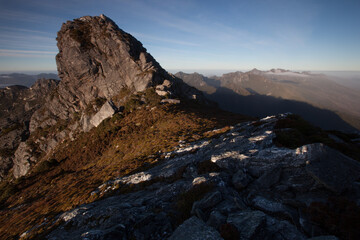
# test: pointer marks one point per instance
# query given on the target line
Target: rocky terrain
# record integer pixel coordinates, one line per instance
(99, 66)
(239, 185)
(17, 104)
(315, 97)
(121, 149)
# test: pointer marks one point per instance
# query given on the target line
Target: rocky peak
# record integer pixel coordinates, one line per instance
(97, 58)
(96, 62)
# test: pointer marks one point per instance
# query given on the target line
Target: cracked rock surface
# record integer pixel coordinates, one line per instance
(260, 191)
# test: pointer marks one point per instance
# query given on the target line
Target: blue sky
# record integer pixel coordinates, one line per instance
(196, 35)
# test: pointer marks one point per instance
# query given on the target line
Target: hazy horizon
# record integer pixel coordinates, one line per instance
(210, 72)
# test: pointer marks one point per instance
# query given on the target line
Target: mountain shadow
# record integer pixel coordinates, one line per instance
(262, 106)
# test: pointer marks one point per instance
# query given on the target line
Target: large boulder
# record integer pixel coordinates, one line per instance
(106, 111)
(331, 168)
(22, 160)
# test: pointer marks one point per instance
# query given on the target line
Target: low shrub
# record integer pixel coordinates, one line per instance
(45, 166)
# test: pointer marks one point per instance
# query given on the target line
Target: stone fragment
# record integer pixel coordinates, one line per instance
(248, 223)
(240, 180)
(216, 219)
(171, 101)
(106, 111)
(22, 160)
(268, 179)
(207, 202)
(195, 229)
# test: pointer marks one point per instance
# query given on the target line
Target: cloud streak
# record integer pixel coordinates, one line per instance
(25, 53)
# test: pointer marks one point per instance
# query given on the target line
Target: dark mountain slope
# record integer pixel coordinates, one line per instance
(317, 90)
(24, 79)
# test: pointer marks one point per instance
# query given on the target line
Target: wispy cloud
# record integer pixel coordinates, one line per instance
(13, 29)
(27, 41)
(204, 29)
(25, 53)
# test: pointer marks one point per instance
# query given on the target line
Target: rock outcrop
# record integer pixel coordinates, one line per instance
(96, 61)
(106, 111)
(17, 104)
(239, 185)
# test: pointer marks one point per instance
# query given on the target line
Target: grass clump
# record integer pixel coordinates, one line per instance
(81, 33)
(45, 166)
(6, 191)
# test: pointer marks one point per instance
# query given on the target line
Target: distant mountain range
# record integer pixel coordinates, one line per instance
(316, 97)
(24, 79)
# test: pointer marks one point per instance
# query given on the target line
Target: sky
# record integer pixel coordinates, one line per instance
(204, 36)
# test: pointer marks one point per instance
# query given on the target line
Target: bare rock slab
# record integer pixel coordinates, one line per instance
(106, 111)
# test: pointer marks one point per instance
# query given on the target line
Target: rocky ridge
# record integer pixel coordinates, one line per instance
(239, 185)
(100, 66)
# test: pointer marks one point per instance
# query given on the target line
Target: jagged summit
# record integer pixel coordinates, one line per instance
(94, 51)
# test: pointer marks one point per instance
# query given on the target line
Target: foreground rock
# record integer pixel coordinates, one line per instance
(184, 197)
(195, 229)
